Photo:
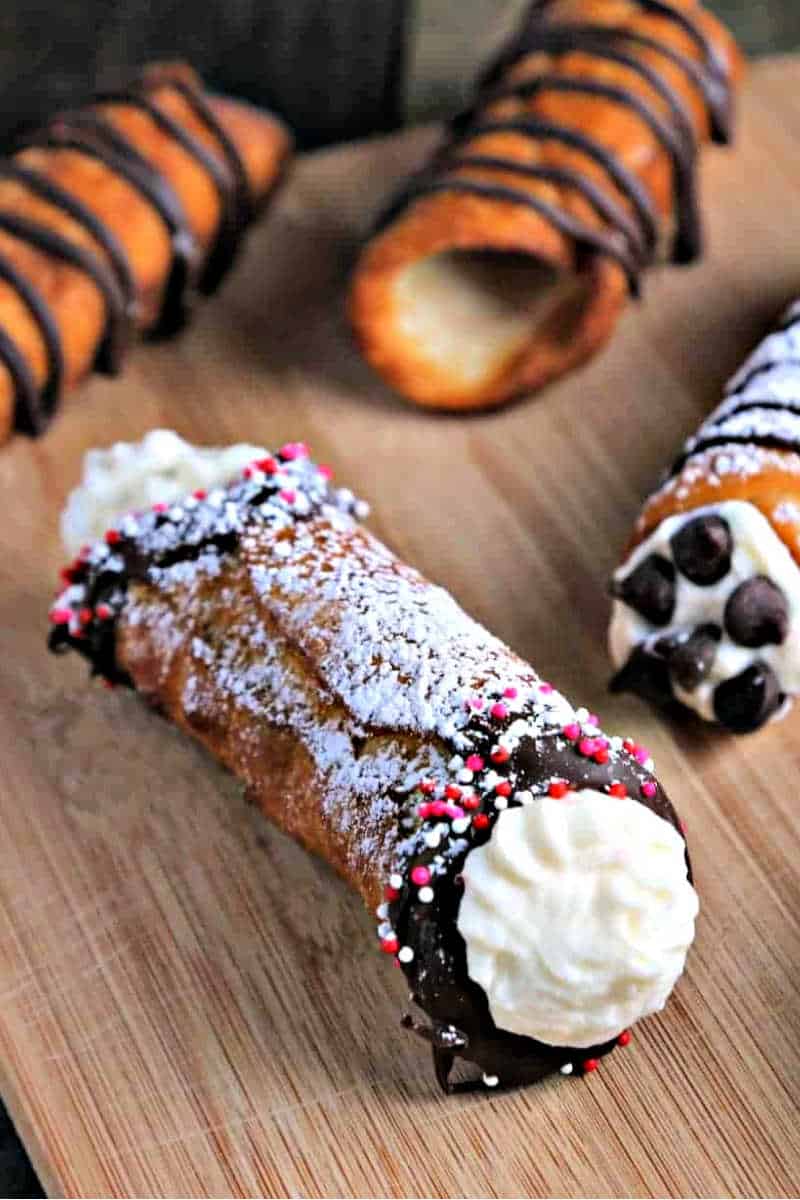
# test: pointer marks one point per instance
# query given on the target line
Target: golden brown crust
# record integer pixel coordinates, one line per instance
(443, 222)
(77, 305)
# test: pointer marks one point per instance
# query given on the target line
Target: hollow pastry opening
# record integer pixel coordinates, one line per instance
(471, 313)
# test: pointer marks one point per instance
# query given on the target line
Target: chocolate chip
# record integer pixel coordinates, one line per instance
(692, 659)
(744, 703)
(702, 549)
(647, 674)
(650, 589)
(757, 614)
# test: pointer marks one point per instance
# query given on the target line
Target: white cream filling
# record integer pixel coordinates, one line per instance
(577, 916)
(757, 550)
(470, 313)
(131, 476)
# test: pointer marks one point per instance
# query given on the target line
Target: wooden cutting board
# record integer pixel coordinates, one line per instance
(190, 1004)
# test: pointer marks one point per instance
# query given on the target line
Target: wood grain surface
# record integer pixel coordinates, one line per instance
(190, 1004)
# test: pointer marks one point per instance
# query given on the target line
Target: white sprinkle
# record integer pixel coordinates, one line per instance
(491, 1080)
(456, 763)
(405, 954)
(396, 881)
(566, 1069)
(525, 797)
(461, 824)
(382, 911)
(465, 775)
(361, 510)
(433, 838)
(425, 895)
(385, 930)
(500, 802)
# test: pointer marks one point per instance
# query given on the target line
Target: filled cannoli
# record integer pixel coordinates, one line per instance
(112, 217)
(707, 601)
(508, 258)
(528, 873)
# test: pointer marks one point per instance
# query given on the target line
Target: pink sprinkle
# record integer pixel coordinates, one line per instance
(572, 731)
(587, 746)
(288, 495)
(682, 826)
(160, 507)
(325, 471)
(475, 762)
(454, 812)
(424, 811)
(293, 450)
(475, 703)
(545, 688)
(510, 693)
(438, 808)
(420, 876)
(594, 719)
(60, 616)
(499, 711)
(649, 789)
(641, 755)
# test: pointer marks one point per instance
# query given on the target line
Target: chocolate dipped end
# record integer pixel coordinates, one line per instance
(432, 951)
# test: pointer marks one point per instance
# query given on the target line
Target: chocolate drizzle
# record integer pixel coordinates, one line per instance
(674, 131)
(91, 133)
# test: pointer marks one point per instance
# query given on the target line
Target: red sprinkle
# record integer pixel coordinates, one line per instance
(470, 803)
(247, 473)
(590, 1064)
(452, 791)
(424, 811)
(618, 789)
(390, 945)
(199, 493)
(499, 711)
(682, 826)
(629, 744)
(325, 471)
(480, 821)
(641, 754)
(66, 574)
(103, 612)
(649, 788)
(85, 616)
(113, 536)
(390, 893)
(268, 465)
(510, 693)
(438, 808)
(503, 789)
(160, 507)
(500, 755)
(601, 756)
(293, 450)
(475, 762)
(427, 787)
(572, 731)
(109, 683)
(61, 616)
(420, 876)
(624, 1038)
(558, 789)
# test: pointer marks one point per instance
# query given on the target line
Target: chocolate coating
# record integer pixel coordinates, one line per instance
(757, 613)
(746, 702)
(650, 589)
(702, 549)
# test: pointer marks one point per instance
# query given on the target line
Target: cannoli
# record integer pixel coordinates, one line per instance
(706, 609)
(528, 873)
(508, 259)
(111, 218)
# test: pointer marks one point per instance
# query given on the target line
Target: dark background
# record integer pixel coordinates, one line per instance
(335, 69)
